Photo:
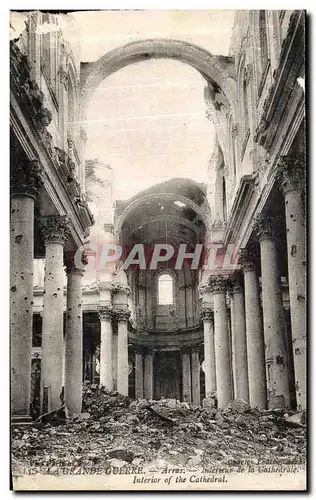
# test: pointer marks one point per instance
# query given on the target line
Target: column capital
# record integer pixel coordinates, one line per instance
(120, 288)
(185, 351)
(148, 351)
(235, 286)
(138, 349)
(55, 228)
(104, 286)
(207, 314)
(105, 312)
(204, 288)
(266, 226)
(122, 315)
(195, 350)
(246, 259)
(291, 173)
(218, 284)
(70, 265)
(25, 178)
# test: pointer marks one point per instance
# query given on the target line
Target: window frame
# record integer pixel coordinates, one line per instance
(166, 272)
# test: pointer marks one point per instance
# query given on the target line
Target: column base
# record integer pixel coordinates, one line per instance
(276, 403)
(209, 402)
(21, 420)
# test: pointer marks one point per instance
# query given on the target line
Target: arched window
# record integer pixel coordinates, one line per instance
(263, 38)
(165, 290)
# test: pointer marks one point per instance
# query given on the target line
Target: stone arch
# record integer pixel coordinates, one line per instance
(159, 196)
(217, 70)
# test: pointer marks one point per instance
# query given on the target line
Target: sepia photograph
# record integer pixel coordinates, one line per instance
(158, 234)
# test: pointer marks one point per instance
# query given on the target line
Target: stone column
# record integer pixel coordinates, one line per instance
(239, 344)
(105, 315)
(186, 377)
(106, 370)
(291, 178)
(209, 352)
(120, 291)
(122, 351)
(114, 361)
(25, 180)
(254, 332)
(148, 375)
(73, 340)
(222, 351)
(55, 229)
(273, 314)
(139, 375)
(195, 374)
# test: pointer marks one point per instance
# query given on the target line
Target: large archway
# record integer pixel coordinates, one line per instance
(219, 71)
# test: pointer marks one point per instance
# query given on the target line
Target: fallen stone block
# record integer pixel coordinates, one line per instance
(295, 420)
(54, 417)
(121, 454)
(237, 406)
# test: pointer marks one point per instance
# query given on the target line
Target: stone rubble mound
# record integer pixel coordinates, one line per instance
(114, 430)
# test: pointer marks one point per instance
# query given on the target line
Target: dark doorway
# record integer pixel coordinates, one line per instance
(167, 379)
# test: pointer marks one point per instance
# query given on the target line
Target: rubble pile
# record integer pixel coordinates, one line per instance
(114, 430)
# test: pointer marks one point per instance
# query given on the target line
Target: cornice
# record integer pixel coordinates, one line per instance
(285, 76)
(246, 189)
(27, 100)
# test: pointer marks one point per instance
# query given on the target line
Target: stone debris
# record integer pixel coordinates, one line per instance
(113, 429)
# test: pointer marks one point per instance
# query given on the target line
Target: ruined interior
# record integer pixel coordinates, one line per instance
(195, 333)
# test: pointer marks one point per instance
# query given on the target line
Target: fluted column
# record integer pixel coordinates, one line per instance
(254, 332)
(186, 377)
(195, 377)
(139, 375)
(55, 230)
(209, 352)
(25, 180)
(222, 351)
(291, 178)
(239, 343)
(122, 350)
(106, 370)
(73, 340)
(273, 314)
